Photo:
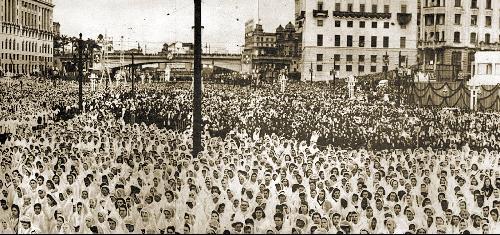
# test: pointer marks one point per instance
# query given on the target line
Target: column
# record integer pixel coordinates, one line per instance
(8, 9)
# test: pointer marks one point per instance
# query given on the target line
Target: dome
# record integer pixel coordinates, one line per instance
(290, 27)
(280, 29)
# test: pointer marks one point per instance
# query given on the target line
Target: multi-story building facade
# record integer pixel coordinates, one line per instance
(356, 37)
(258, 42)
(26, 35)
(271, 50)
(453, 30)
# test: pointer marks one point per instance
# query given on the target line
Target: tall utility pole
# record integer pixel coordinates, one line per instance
(197, 98)
(80, 74)
(334, 71)
(133, 75)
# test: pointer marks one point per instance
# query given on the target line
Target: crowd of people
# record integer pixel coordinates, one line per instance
(306, 109)
(306, 160)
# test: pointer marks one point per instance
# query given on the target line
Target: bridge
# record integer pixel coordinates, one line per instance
(227, 61)
(231, 62)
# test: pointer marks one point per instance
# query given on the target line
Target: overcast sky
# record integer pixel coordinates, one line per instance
(153, 22)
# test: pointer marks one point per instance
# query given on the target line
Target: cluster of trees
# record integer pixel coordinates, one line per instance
(61, 41)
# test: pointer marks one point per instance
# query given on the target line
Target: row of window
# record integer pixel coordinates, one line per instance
(23, 68)
(267, 39)
(487, 69)
(26, 33)
(361, 41)
(349, 68)
(8, 56)
(362, 7)
(439, 19)
(350, 24)
(361, 58)
(458, 3)
(473, 38)
(10, 44)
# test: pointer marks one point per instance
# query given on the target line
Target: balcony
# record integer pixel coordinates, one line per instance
(431, 44)
(369, 15)
(404, 18)
(320, 13)
(301, 16)
(483, 46)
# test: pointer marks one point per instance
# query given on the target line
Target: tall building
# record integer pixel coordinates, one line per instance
(453, 30)
(275, 50)
(258, 42)
(356, 37)
(26, 35)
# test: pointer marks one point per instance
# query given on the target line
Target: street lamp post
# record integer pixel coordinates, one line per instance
(197, 97)
(80, 74)
(133, 75)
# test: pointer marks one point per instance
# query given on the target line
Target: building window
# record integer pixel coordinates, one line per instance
(361, 41)
(374, 41)
(386, 8)
(488, 21)
(403, 59)
(403, 8)
(373, 58)
(374, 8)
(337, 6)
(402, 42)
(319, 67)
(361, 58)
(320, 6)
(458, 3)
(349, 58)
(473, 20)
(348, 68)
(349, 40)
(320, 40)
(386, 42)
(440, 19)
(362, 8)
(362, 24)
(456, 37)
(337, 23)
(488, 4)
(349, 7)
(386, 25)
(373, 69)
(487, 38)
(458, 19)
(361, 68)
(320, 23)
(336, 57)
(473, 4)
(384, 68)
(336, 67)
(337, 40)
(319, 57)
(374, 25)
(349, 24)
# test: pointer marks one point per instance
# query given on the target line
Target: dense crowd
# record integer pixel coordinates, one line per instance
(303, 161)
(306, 109)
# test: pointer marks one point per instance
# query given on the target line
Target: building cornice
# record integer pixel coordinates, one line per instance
(45, 3)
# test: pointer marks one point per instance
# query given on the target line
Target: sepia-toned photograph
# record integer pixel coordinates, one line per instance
(250, 116)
